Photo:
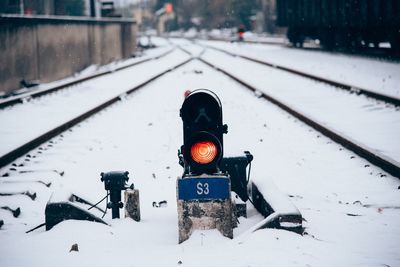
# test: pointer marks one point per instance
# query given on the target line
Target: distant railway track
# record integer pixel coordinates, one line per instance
(248, 41)
(387, 164)
(37, 93)
(372, 52)
(47, 136)
(375, 158)
(388, 99)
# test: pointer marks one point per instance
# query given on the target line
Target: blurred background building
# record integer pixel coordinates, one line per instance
(45, 7)
(255, 15)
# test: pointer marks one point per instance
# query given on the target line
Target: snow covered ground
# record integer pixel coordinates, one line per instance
(377, 123)
(372, 74)
(44, 113)
(351, 208)
(162, 47)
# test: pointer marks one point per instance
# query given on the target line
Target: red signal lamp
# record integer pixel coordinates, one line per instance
(169, 8)
(203, 152)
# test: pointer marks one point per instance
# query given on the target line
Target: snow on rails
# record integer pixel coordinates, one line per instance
(146, 145)
(25, 148)
(68, 211)
(342, 85)
(33, 93)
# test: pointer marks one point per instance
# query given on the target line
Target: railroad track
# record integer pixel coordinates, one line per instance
(37, 93)
(369, 154)
(234, 39)
(386, 98)
(278, 215)
(30, 145)
(386, 163)
(372, 52)
(161, 223)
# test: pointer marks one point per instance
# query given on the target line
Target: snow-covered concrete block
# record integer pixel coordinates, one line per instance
(204, 215)
(132, 204)
(204, 202)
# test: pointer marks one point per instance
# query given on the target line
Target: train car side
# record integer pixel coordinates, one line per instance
(341, 23)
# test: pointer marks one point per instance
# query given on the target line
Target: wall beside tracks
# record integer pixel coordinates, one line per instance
(50, 48)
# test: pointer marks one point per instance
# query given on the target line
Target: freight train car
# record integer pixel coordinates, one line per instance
(341, 23)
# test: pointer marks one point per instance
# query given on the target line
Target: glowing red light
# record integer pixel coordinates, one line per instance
(203, 152)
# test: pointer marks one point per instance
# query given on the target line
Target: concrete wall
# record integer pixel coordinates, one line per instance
(51, 48)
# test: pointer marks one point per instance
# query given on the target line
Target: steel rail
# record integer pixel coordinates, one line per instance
(386, 163)
(36, 142)
(386, 98)
(234, 39)
(21, 98)
(306, 46)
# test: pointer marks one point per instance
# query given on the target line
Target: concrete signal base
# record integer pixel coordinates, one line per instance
(205, 215)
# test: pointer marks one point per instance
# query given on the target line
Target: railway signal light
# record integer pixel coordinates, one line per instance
(203, 191)
(169, 8)
(203, 129)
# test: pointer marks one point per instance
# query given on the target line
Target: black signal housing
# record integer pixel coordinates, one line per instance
(201, 114)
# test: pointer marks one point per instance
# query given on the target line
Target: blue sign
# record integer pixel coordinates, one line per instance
(209, 188)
